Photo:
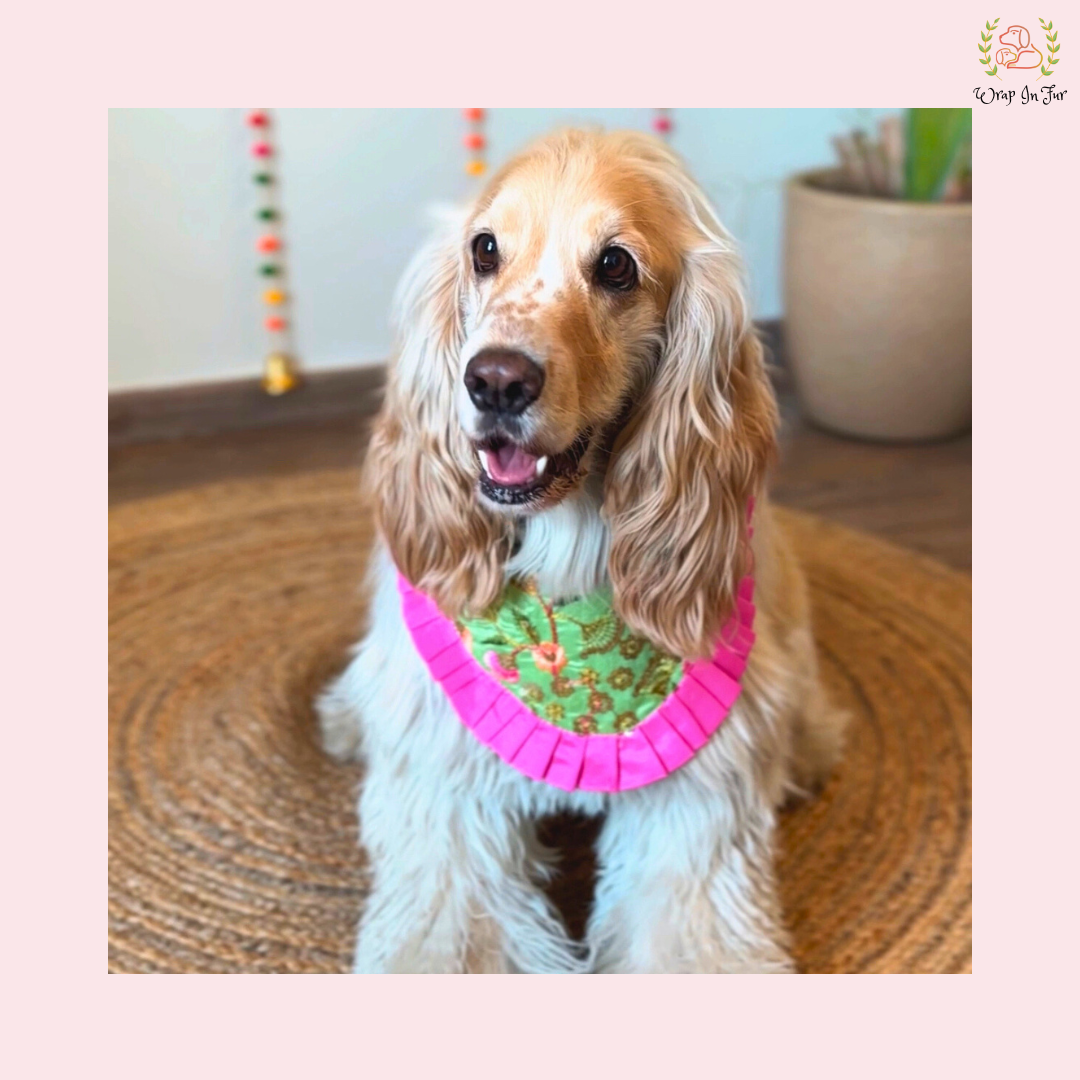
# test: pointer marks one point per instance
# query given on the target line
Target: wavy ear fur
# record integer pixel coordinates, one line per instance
(696, 451)
(420, 468)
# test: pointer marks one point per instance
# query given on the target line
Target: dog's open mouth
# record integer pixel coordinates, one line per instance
(512, 474)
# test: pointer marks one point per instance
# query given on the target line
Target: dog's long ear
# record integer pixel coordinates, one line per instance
(692, 457)
(420, 468)
(1023, 37)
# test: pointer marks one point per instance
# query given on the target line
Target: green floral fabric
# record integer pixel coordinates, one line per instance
(575, 665)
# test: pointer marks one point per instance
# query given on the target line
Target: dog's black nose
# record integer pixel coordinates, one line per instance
(502, 381)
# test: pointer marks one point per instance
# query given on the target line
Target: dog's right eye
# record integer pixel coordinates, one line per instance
(485, 254)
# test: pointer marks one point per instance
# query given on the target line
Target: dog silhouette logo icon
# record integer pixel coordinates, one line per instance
(1016, 50)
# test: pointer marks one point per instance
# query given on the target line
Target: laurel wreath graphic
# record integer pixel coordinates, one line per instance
(1052, 47)
(985, 46)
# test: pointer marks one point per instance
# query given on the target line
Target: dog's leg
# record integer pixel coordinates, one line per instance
(686, 884)
(818, 726)
(341, 705)
(453, 880)
(817, 744)
(442, 818)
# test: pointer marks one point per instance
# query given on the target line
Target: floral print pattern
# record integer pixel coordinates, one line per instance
(491, 659)
(575, 665)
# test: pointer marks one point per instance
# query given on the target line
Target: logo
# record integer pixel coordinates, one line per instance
(1016, 52)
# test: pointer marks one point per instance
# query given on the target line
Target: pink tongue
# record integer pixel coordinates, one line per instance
(512, 465)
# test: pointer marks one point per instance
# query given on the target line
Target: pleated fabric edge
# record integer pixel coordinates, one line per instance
(663, 742)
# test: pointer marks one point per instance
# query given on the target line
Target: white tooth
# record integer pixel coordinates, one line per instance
(484, 461)
(541, 465)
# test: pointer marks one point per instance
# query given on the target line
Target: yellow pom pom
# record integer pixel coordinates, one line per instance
(273, 296)
(475, 168)
(279, 375)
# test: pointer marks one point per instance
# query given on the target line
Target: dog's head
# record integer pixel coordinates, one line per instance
(1016, 36)
(587, 318)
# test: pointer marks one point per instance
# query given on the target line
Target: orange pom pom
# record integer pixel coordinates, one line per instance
(473, 115)
(474, 141)
(475, 168)
(273, 296)
(275, 322)
(268, 243)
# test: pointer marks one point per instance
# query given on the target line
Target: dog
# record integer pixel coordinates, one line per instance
(578, 401)
(1018, 51)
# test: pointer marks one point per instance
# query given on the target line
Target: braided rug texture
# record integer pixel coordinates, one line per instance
(233, 838)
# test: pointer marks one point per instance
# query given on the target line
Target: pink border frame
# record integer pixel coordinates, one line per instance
(666, 739)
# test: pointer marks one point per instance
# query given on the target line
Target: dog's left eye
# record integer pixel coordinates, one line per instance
(485, 253)
(616, 269)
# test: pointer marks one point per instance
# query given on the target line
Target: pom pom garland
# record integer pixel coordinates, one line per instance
(474, 140)
(279, 370)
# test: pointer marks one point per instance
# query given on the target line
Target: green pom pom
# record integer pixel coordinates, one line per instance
(269, 270)
(263, 178)
(267, 214)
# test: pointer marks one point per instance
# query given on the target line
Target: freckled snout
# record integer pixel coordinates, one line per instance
(503, 382)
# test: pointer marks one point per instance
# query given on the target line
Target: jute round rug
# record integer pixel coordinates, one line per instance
(233, 839)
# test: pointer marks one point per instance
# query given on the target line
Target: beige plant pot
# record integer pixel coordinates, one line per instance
(878, 311)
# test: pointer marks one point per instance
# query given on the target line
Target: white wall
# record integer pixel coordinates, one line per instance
(183, 289)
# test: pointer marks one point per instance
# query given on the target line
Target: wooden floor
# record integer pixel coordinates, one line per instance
(918, 496)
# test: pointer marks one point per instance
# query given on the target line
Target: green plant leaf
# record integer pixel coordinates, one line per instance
(934, 138)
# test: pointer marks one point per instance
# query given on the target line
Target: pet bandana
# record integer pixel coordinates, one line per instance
(567, 694)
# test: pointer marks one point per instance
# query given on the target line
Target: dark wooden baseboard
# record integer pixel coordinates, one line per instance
(180, 412)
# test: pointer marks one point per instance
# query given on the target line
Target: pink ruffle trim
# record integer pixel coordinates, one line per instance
(660, 744)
